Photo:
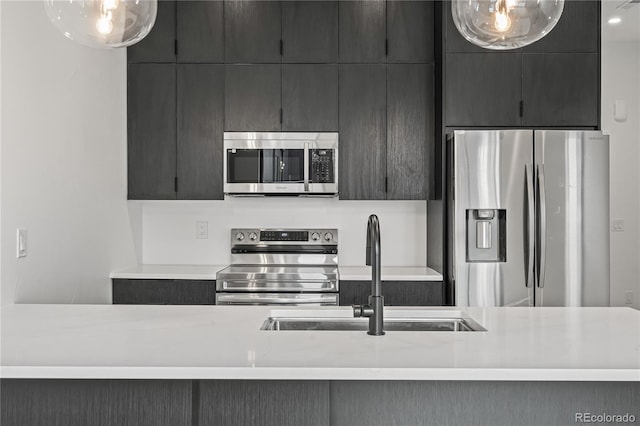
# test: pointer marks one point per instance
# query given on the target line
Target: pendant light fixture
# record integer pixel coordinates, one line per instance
(505, 24)
(103, 23)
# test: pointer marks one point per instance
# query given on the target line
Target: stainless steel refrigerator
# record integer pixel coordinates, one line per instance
(529, 218)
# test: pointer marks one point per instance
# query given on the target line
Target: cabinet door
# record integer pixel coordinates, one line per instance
(362, 31)
(151, 110)
(310, 31)
(410, 31)
(363, 126)
(561, 89)
(395, 293)
(578, 30)
(410, 130)
(252, 98)
(163, 292)
(200, 30)
(310, 98)
(252, 31)
(200, 131)
(159, 44)
(483, 89)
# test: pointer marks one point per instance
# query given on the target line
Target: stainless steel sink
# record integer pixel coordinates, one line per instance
(362, 324)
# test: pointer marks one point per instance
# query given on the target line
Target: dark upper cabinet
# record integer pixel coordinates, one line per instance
(252, 98)
(410, 130)
(410, 31)
(252, 31)
(362, 31)
(362, 161)
(159, 44)
(200, 31)
(200, 131)
(578, 30)
(310, 98)
(151, 131)
(310, 31)
(483, 89)
(561, 89)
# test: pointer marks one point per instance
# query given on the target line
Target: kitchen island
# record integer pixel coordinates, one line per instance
(201, 365)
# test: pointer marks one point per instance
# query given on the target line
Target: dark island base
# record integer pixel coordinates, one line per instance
(35, 402)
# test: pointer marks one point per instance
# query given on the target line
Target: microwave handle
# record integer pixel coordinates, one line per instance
(306, 167)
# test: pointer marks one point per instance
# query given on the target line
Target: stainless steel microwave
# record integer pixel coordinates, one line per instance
(284, 163)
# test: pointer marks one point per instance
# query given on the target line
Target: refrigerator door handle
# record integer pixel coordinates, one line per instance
(542, 231)
(529, 248)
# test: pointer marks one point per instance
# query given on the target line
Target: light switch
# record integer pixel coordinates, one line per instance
(620, 111)
(21, 243)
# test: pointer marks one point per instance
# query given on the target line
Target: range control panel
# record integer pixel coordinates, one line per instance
(254, 236)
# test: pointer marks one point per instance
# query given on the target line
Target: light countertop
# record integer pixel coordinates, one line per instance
(225, 342)
(208, 272)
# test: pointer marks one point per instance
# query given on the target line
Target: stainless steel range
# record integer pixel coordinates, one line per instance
(280, 267)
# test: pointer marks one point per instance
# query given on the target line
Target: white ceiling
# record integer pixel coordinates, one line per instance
(628, 28)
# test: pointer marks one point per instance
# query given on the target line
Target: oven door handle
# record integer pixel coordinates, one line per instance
(305, 172)
(276, 299)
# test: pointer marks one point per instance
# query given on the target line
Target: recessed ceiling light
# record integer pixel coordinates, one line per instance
(614, 20)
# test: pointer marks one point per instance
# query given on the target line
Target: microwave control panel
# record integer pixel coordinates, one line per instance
(322, 168)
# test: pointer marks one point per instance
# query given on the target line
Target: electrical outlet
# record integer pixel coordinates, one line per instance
(21, 243)
(628, 298)
(202, 229)
(617, 225)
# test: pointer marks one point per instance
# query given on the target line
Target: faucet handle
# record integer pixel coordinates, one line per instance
(362, 311)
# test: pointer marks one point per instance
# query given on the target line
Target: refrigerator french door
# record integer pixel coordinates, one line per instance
(529, 217)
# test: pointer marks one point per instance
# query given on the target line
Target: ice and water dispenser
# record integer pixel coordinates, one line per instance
(486, 235)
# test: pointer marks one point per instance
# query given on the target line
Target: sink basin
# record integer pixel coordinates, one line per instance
(423, 322)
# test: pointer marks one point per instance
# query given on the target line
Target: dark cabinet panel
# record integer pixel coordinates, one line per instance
(151, 148)
(252, 98)
(578, 30)
(363, 160)
(483, 89)
(163, 292)
(252, 31)
(362, 31)
(410, 130)
(560, 89)
(310, 98)
(395, 293)
(310, 31)
(159, 44)
(200, 31)
(410, 31)
(263, 403)
(44, 402)
(200, 131)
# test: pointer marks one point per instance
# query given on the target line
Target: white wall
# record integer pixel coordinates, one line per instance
(169, 227)
(621, 81)
(63, 162)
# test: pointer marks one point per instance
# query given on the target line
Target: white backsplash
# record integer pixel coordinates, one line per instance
(169, 227)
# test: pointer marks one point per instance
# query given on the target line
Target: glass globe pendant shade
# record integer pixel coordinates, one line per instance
(505, 24)
(103, 23)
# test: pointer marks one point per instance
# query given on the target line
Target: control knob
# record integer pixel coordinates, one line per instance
(253, 236)
(315, 236)
(239, 236)
(328, 236)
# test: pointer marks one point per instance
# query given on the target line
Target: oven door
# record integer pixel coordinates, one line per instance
(281, 299)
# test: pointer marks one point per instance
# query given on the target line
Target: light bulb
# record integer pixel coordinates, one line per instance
(505, 24)
(103, 23)
(502, 22)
